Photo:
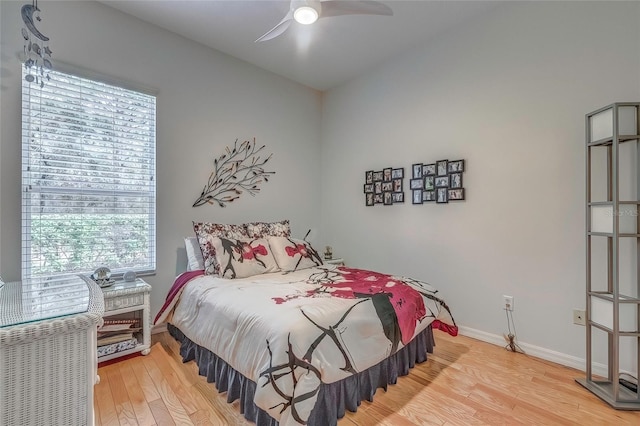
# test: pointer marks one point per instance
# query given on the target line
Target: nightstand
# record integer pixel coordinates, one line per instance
(127, 302)
(338, 261)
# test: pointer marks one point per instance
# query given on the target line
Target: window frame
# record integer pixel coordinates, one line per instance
(26, 220)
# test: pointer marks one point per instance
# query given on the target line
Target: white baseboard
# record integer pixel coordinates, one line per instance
(160, 328)
(537, 351)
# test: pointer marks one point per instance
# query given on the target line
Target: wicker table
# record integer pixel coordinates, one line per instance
(48, 363)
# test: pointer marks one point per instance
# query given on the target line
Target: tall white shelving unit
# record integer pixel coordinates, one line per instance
(613, 250)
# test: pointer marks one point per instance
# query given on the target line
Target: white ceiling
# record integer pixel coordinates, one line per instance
(323, 55)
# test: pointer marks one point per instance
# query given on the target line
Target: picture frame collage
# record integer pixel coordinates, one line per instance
(440, 182)
(384, 186)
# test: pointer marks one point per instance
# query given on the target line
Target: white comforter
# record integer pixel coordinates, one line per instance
(289, 332)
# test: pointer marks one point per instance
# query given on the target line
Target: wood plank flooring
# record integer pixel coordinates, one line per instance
(465, 382)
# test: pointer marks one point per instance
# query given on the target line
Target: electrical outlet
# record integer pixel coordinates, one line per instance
(508, 302)
(579, 317)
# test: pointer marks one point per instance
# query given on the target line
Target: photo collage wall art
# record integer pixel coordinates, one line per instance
(439, 182)
(384, 186)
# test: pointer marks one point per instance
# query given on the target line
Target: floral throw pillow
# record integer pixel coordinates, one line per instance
(241, 258)
(206, 232)
(292, 254)
(268, 229)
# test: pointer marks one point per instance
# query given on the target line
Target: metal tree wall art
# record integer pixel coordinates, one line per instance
(238, 170)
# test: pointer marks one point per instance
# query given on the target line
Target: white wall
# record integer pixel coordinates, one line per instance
(205, 101)
(2, 71)
(508, 93)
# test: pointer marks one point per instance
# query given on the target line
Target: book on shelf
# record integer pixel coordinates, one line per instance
(121, 321)
(117, 328)
(117, 347)
(113, 329)
(114, 338)
(108, 331)
(129, 321)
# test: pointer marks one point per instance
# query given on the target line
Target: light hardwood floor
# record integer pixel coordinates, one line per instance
(465, 382)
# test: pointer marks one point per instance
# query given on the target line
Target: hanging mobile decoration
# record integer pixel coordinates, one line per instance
(37, 55)
(239, 170)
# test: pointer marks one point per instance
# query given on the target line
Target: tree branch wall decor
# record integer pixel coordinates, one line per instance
(238, 170)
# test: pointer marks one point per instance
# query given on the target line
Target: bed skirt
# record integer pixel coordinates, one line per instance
(333, 398)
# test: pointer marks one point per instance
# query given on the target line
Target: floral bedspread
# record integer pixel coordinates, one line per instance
(291, 332)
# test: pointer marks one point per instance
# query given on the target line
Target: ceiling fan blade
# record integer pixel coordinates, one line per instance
(278, 29)
(348, 7)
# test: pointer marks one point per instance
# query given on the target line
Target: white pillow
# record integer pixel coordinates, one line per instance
(244, 257)
(293, 255)
(195, 261)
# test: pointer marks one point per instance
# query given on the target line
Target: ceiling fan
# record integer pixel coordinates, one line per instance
(309, 11)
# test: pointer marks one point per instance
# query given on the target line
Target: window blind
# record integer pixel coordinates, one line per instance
(88, 177)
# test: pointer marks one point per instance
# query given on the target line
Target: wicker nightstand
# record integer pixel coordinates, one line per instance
(129, 301)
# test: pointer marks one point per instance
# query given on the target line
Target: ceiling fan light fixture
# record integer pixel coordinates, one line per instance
(309, 11)
(305, 15)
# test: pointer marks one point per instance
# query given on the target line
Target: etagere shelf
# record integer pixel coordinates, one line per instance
(613, 249)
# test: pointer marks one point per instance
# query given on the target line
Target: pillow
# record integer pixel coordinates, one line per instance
(195, 262)
(206, 232)
(266, 229)
(292, 254)
(243, 257)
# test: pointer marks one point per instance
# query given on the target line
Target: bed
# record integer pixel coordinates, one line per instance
(306, 341)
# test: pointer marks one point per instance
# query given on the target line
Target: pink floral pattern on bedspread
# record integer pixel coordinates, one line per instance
(406, 302)
(293, 331)
(400, 305)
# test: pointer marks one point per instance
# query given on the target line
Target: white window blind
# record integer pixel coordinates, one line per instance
(88, 177)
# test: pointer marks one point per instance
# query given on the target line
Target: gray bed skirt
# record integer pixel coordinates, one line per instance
(333, 398)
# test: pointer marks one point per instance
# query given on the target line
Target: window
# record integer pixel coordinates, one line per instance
(88, 177)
